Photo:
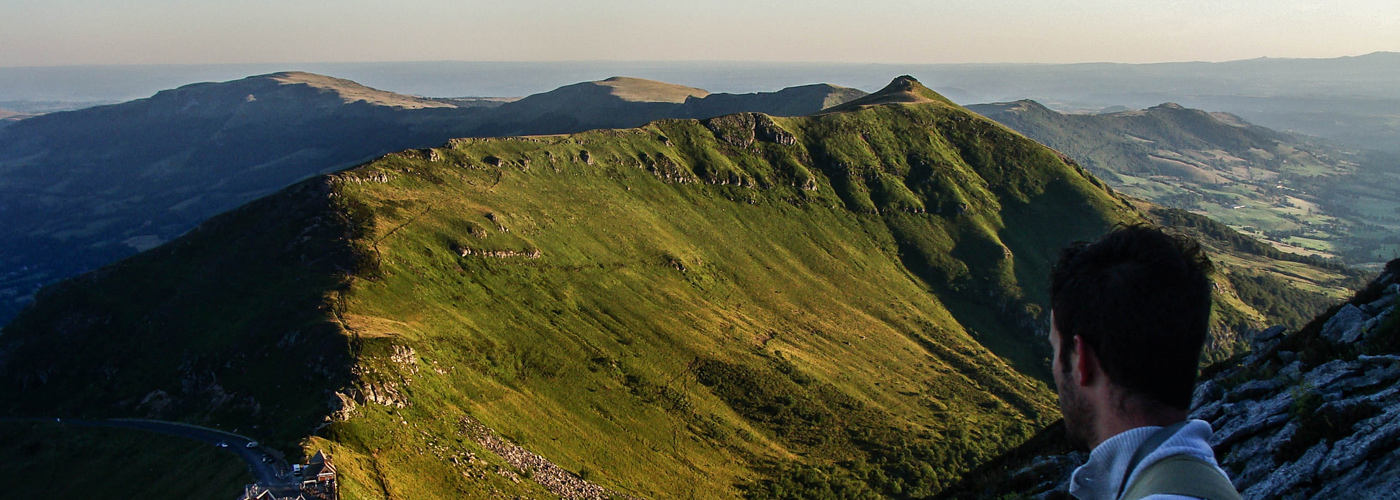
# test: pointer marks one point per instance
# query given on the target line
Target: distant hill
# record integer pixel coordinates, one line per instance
(792, 101)
(612, 103)
(7, 117)
(83, 188)
(620, 102)
(1303, 194)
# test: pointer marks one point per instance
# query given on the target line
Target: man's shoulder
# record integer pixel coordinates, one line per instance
(1185, 465)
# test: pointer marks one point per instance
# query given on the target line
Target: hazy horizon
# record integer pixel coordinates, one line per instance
(696, 61)
(119, 82)
(87, 32)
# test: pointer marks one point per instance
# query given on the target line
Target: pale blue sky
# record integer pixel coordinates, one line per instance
(63, 32)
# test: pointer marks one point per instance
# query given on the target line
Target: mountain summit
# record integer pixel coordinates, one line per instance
(294, 94)
(905, 89)
(643, 90)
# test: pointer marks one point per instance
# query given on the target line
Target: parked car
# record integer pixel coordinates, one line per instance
(222, 444)
(252, 444)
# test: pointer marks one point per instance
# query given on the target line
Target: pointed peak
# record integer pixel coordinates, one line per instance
(903, 89)
(906, 84)
(905, 80)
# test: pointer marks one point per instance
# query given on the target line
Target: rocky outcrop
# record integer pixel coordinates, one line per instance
(500, 254)
(1312, 414)
(552, 477)
(1315, 414)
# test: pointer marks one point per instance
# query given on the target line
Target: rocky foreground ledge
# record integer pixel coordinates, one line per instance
(1313, 414)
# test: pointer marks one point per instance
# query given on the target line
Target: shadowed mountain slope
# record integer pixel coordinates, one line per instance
(616, 102)
(620, 102)
(792, 101)
(745, 305)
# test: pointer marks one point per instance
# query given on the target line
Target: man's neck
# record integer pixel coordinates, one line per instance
(1113, 423)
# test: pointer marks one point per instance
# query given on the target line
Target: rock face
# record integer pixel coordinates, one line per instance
(1312, 414)
(1315, 414)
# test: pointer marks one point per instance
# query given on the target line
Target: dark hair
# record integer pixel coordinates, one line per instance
(1140, 298)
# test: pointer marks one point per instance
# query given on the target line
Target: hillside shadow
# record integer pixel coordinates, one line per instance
(232, 325)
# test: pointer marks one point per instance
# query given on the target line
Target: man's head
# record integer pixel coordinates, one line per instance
(1129, 315)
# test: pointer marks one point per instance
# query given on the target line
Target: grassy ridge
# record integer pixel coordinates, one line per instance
(844, 304)
(673, 306)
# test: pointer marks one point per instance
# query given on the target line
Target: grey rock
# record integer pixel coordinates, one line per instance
(1337, 488)
(1051, 474)
(1329, 372)
(1293, 372)
(1380, 304)
(1287, 356)
(1371, 377)
(1254, 457)
(1384, 373)
(1378, 479)
(1265, 340)
(1209, 411)
(1206, 391)
(1254, 388)
(1384, 397)
(1247, 418)
(1287, 478)
(1271, 333)
(1373, 435)
(1345, 326)
(1369, 327)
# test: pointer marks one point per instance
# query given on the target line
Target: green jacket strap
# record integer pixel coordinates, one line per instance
(1183, 475)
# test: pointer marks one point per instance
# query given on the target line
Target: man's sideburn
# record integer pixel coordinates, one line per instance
(1073, 405)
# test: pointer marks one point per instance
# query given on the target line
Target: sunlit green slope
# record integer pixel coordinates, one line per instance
(746, 305)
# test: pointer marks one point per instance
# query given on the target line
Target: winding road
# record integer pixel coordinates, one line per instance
(269, 469)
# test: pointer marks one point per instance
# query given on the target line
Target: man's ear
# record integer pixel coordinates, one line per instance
(1085, 363)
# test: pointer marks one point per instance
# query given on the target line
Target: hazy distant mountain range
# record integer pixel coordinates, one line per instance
(7, 117)
(1351, 99)
(1304, 194)
(81, 189)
